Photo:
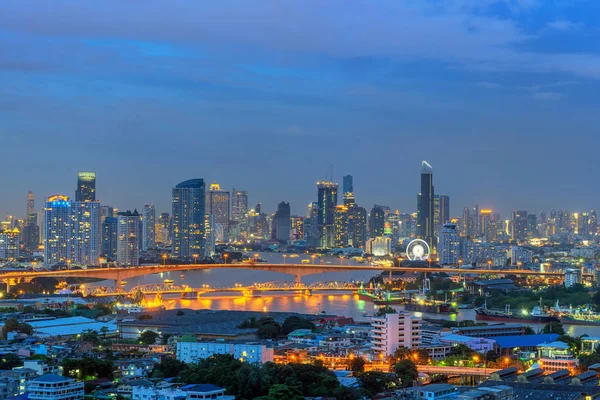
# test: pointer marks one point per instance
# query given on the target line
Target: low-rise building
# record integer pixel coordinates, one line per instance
(54, 387)
(149, 392)
(251, 352)
(479, 344)
(556, 356)
(136, 368)
(491, 330)
(206, 391)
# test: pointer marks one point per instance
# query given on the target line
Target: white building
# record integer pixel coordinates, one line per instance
(519, 255)
(449, 245)
(572, 277)
(54, 387)
(128, 238)
(57, 230)
(206, 391)
(191, 352)
(556, 356)
(85, 220)
(153, 393)
(395, 330)
(478, 344)
(379, 246)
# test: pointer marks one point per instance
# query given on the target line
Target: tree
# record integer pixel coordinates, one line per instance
(374, 382)
(12, 325)
(385, 310)
(406, 371)
(554, 327)
(179, 313)
(294, 322)
(148, 337)
(168, 368)
(401, 353)
(10, 361)
(87, 368)
(104, 331)
(284, 392)
(357, 364)
(90, 336)
(529, 330)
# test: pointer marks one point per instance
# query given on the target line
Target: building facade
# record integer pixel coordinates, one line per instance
(395, 330)
(86, 186)
(128, 238)
(217, 204)
(148, 227)
(86, 231)
(191, 352)
(57, 230)
(449, 245)
(189, 219)
(327, 200)
(425, 206)
(54, 387)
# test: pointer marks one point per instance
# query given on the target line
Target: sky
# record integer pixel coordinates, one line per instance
(499, 96)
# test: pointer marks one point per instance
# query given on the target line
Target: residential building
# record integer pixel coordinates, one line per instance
(379, 246)
(217, 204)
(149, 392)
(190, 352)
(282, 223)
(9, 244)
(520, 224)
(376, 222)
(327, 200)
(128, 238)
(395, 330)
(54, 387)
(57, 230)
(189, 219)
(85, 228)
(206, 391)
(572, 277)
(86, 186)
(109, 238)
(449, 244)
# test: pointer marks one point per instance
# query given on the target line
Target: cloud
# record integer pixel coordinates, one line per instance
(488, 85)
(562, 25)
(547, 96)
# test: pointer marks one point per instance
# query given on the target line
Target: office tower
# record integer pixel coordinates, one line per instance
(357, 226)
(188, 218)
(30, 203)
(593, 223)
(436, 214)
(393, 221)
(282, 223)
(106, 211)
(425, 205)
(311, 225)
(444, 209)
(164, 220)
(532, 230)
(85, 229)
(376, 222)
(519, 225)
(327, 200)
(405, 225)
(449, 244)
(485, 218)
(239, 205)
(109, 238)
(86, 186)
(57, 230)
(9, 244)
(128, 238)
(340, 222)
(348, 186)
(31, 231)
(467, 222)
(297, 232)
(148, 227)
(475, 218)
(217, 204)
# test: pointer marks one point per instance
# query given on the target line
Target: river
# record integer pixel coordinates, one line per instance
(346, 304)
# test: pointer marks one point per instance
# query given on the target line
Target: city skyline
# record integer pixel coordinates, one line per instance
(490, 93)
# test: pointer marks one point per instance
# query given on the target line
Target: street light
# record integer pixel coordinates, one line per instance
(489, 264)
(284, 257)
(256, 257)
(341, 260)
(313, 258)
(195, 258)
(164, 257)
(519, 264)
(225, 256)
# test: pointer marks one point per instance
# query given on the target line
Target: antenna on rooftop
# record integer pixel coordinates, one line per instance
(329, 176)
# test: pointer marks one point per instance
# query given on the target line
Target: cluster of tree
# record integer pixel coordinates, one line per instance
(10, 361)
(373, 382)
(385, 310)
(251, 381)
(149, 337)
(87, 368)
(12, 325)
(575, 295)
(268, 328)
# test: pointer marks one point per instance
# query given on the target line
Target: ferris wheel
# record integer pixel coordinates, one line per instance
(418, 250)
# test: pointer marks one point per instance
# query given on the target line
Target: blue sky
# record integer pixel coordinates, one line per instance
(500, 96)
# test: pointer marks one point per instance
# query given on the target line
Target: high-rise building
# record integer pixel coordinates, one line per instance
(449, 245)
(297, 228)
(86, 239)
(532, 230)
(109, 238)
(31, 230)
(467, 222)
(379, 246)
(391, 331)
(519, 225)
(444, 209)
(165, 226)
(209, 236)
(57, 230)
(86, 186)
(425, 209)
(327, 200)
(485, 218)
(348, 186)
(30, 203)
(357, 226)
(405, 225)
(282, 223)
(189, 214)
(340, 222)
(9, 244)
(217, 204)
(128, 238)
(376, 222)
(311, 225)
(475, 218)
(148, 227)
(239, 205)
(593, 223)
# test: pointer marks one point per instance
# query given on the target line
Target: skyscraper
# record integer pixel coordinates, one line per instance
(340, 221)
(86, 186)
(348, 186)
(327, 200)
(30, 203)
(485, 218)
(31, 230)
(57, 230)
(357, 226)
(519, 225)
(444, 209)
(86, 240)
(425, 207)
(449, 244)
(217, 204)
(148, 227)
(282, 223)
(239, 205)
(109, 238)
(128, 239)
(189, 219)
(311, 225)
(9, 244)
(376, 222)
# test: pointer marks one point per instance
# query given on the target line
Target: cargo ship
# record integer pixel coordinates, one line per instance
(537, 315)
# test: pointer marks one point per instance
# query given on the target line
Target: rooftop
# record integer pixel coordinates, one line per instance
(52, 378)
(507, 342)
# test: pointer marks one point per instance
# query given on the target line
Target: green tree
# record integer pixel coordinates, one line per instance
(284, 392)
(374, 382)
(168, 368)
(385, 310)
(554, 327)
(10, 361)
(406, 372)
(104, 331)
(294, 322)
(357, 364)
(87, 368)
(90, 336)
(148, 337)
(529, 330)
(401, 353)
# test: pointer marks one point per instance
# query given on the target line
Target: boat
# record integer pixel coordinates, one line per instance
(123, 283)
(537, 315)
(169, 281)
(182, 276)
(583, 315)
(294, 256)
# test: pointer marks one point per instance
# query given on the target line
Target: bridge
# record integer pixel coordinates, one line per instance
(277, 286)
(297, 270)
(456, 371)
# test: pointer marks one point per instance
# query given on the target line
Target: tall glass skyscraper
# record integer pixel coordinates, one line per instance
(109, 238)
(128, 238)
(189, 219)
(57, 230)
(86, 227)
(86, 186)
(148, 227)
(425, 206)
(327, 200)
(348, 186)
(217, 204)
